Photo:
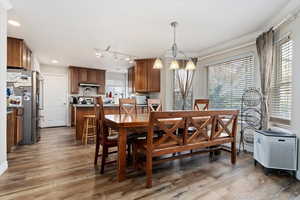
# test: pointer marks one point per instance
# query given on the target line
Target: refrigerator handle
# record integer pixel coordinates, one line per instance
(42, 103)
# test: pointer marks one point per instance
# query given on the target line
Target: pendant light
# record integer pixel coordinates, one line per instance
(174, 65)
(175, 52)
(190, 65)
(158, 64)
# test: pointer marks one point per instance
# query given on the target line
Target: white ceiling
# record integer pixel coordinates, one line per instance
(69, 30)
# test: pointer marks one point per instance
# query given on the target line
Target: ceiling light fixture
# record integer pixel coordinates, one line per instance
(115, 54)
(54, 61)
(175, 52)
(14, 23)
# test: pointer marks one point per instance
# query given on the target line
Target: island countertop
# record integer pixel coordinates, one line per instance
(104, 105)
(80, 110)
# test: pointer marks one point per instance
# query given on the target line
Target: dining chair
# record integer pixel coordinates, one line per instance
(201, 104)
(127, 106)
(106, 139)
(154, 105)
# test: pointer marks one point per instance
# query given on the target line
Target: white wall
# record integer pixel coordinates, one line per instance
(4, 6)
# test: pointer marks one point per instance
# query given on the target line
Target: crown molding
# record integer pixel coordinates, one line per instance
(6, 4)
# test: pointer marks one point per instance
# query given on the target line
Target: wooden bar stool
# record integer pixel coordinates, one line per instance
(89, 128)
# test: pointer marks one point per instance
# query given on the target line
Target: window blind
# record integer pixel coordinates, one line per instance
(228, 80)
(281, 99)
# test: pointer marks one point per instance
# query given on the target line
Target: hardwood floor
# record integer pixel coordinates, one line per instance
(58, 168)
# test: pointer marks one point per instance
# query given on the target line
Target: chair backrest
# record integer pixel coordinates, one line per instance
(209, 126)
(127, 106)
(201, 104)
(99, 112)
(154, 105)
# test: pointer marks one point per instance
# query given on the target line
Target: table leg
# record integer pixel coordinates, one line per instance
(122, 141)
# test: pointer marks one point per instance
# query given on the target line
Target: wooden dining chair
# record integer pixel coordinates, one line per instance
(104, 138)
(127, 106)
(201, 104)
(154, 105)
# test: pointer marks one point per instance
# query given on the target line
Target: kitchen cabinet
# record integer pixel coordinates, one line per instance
(18, 129)
(131, 77)
(153, 77)
(10, 131)
(84, 75)
(18, 54)
(91, 76)
(100, 77)
(143, 78)
(74, 80)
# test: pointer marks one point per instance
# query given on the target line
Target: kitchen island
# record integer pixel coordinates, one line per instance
(86, 109)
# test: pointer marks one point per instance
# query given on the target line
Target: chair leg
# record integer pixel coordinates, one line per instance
(97, 150)
(83, 133)
(129, 145)
(233, 153)
(134, 156)
(149, 170)
(104, 155)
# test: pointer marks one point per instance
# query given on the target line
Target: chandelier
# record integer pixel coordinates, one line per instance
(175, 53)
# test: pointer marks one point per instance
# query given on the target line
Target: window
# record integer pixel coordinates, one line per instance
(177, 95)
(281, 101)
(228, 80)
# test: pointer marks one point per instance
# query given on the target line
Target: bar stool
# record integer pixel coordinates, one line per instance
(89, 128)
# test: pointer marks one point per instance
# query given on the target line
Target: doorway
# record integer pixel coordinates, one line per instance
(54, 110)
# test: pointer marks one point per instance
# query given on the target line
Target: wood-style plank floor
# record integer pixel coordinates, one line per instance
(58, 168)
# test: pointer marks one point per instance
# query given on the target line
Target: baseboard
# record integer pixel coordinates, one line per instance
(298, 175)
(3, 167)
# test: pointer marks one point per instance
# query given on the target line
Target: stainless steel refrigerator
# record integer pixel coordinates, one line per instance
(25, 84)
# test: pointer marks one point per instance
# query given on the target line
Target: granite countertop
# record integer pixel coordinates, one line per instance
(105, 105)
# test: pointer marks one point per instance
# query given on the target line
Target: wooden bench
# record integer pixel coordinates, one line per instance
(211, 128)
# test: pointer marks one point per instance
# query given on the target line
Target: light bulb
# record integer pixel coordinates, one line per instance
(190, 65)
(174, 65)
(158, 64)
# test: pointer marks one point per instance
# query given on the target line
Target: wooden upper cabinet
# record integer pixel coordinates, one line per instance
(74, 80)
(131, 80)
(100, 77)
(18, 54)
(153, 77)
(83, 75)
(146, 79)
(91, 76)
(141, 76)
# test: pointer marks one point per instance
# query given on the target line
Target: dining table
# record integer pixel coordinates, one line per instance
(123, 123)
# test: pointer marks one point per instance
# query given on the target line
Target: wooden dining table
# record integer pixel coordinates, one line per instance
(122, 123)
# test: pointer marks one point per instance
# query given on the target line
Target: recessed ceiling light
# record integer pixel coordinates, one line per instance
(14, 23)
(127, 59)
(54, 61)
